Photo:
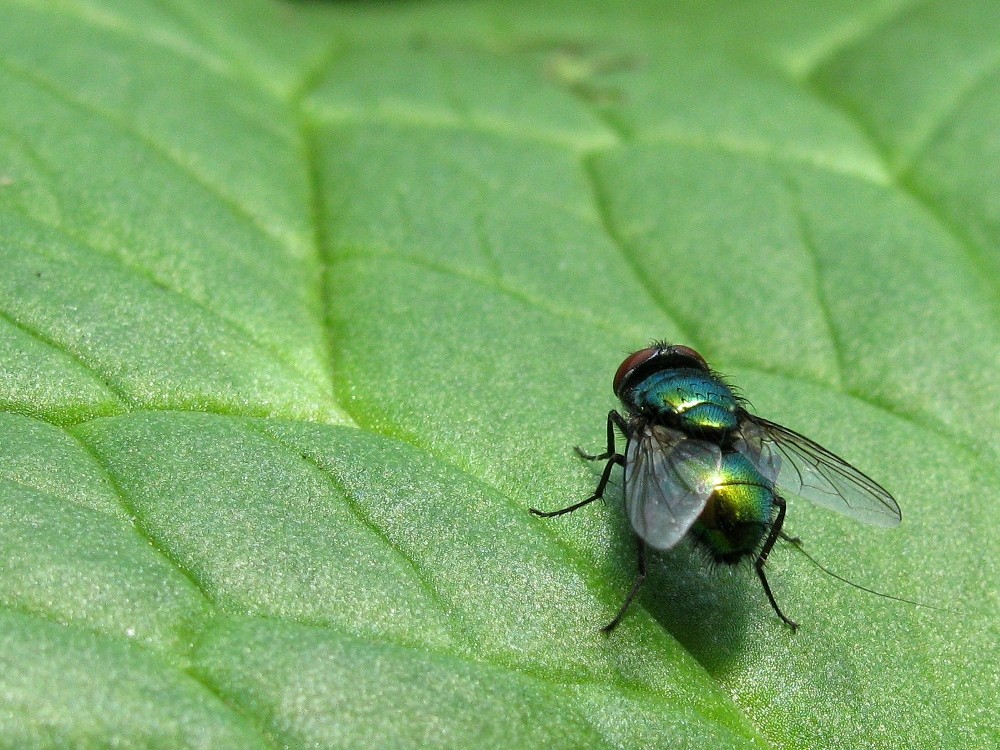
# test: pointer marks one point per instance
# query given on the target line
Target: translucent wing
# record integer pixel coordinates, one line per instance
(668, 480)
(797, 464)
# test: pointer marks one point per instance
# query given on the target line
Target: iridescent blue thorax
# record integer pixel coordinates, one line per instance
(690, 399)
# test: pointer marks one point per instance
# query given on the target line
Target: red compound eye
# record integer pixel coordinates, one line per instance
(672, 356)
(631, 362)
(687, 351)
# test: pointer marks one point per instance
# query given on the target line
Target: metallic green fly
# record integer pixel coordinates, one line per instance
(698, 464)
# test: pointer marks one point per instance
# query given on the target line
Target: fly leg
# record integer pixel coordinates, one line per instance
(762, 558)
(598, 493)
(614, 420)
(791, 539)
(610, 455)
(635, 588)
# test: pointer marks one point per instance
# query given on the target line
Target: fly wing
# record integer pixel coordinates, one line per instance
(797, 464)
(668, 479)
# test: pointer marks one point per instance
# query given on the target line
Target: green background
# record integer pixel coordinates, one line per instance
(303, 305)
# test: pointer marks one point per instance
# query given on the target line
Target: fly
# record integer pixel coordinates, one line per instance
(698, 464)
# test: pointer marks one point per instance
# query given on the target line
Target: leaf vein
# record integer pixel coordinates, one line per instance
(603, 208)
(363, 518)
(497, 285)
(115, 390)
(221, 318)
(131, 130)
(947, 113)
(106, 20)
(859, 31)
(812, 253)
(639, 694)
(445, 122)
(139, 524)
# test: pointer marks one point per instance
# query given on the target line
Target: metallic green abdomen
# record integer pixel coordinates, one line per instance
(697, 401)
(738, 513)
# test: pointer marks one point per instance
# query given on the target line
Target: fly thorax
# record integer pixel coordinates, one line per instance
(691, 400)
(738, 512)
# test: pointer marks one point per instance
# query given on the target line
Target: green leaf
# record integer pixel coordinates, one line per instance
(303, 306)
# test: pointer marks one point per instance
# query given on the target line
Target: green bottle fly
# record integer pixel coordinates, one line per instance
(698, 464)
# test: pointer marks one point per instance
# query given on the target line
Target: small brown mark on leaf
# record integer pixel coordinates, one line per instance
(579, 68)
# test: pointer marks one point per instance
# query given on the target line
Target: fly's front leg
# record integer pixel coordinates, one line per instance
(614, 420)
(610, 455)
(598, 493)
(762, 558)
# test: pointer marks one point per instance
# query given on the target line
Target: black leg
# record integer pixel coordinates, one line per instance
(791, 539)
(635, 588)
(762, 558)
(598, 493)
(611, 456)
(614, 420)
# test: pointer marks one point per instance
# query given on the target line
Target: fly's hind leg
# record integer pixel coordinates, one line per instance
(640, 577)
(791, 539)
(610, 455)
(762, 558)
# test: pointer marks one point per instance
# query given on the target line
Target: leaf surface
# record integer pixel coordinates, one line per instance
(304, 305)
